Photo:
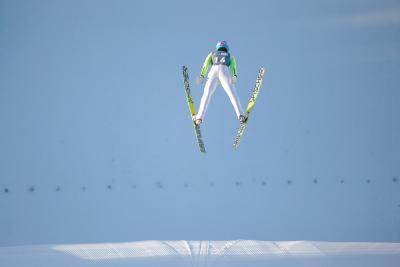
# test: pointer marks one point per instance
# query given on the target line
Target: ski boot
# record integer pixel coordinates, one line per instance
(242, 119)
(196, 122)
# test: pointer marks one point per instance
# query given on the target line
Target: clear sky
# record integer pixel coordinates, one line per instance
(91, 95)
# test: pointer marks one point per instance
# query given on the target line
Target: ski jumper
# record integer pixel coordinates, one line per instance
(223, 67)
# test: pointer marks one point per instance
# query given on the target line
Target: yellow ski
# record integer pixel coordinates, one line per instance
(250, 106)
(192, 109)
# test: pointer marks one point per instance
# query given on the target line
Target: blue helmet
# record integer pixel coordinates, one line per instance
(222, 44)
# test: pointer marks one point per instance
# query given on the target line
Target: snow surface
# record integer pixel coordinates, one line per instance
(205, 253)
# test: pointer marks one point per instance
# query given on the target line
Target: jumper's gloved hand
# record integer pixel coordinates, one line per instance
(200, 79)
(234, 79)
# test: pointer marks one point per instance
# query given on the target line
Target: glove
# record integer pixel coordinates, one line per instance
(200, 79)
(234, 79)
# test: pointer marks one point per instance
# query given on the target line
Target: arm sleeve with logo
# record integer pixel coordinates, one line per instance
(206, 65)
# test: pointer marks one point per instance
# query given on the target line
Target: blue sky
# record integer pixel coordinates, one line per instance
(91, 94)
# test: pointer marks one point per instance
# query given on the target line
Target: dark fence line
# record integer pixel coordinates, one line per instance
(186, 185)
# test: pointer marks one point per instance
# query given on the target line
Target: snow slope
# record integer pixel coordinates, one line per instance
(206, 253)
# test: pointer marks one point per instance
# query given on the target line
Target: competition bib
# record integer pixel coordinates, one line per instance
(221, 58)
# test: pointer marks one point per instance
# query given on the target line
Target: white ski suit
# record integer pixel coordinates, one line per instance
(223, 69)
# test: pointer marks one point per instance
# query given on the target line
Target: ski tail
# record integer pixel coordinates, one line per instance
(256, 90)
(189, 98)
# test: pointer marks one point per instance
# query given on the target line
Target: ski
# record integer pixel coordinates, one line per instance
(250, 106)
(192, 109)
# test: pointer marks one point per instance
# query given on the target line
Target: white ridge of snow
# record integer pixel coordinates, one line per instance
(205, 253)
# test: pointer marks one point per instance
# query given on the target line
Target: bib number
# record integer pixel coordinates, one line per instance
(220, 60)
